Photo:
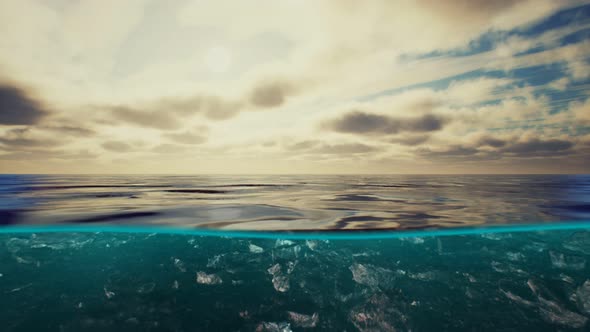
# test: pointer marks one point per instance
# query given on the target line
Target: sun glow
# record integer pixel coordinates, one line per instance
(218, 59)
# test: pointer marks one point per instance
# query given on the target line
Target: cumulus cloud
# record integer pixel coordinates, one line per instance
(357, 122)
(19, 107)
(411, 140)
(350, 69)
(150, 119)
(319, 147)
(116, 146)
(271, 94)
(25, 139)
(187, 138)
(490, 147)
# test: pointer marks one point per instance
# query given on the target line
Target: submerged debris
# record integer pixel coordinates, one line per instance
(301, 320)
(146, 288)
(208, 279)
(108, 293)
(20, 288)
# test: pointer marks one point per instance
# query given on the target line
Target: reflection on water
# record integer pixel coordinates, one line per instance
(302, 202)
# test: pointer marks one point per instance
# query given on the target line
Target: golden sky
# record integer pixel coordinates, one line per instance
(294, 86)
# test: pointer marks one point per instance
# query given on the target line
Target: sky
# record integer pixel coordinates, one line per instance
(294, 86)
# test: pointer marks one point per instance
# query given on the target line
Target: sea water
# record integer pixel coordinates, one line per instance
(295, 253)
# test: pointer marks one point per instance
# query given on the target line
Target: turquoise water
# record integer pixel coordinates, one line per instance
(141, 281)
(294, 253)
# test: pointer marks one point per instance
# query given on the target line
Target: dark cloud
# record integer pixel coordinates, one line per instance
(538, 146)
(270, 94)
(150, 119)
(212, 107)
(490, 148)
(19, 142)
(22, 138)
(70, 130)
(412, 140)
(450, 151)
(491, 141)
(117, 146)
(374, 124)
(18, 107)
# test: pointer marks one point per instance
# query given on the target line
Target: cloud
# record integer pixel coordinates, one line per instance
(36, 155)
(270, 94)
(116, 146)
(169, 149)
(18, 107)
(318, 147)
(488, 148)
(25, 139)
(350, 148)
(150, 119)
(212, 107)
(187, 138)
(168, 113)
(536, 146)
(410, 139)
(357, 122)
(492, 141)
(70, 130)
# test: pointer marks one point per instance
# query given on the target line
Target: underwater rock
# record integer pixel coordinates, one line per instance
(280, 281)
(582, 297)
(301, 320)
(287, 252)
(283, 243)
(514, 256)
(255, 249)
(214, 262)
(377, 314)
(561, 261)
(274, 327)
(554, 313)
(208, 279)
(370, 275)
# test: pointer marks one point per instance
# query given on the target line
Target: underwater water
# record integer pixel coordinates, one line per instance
(295, 253)
(101, 281)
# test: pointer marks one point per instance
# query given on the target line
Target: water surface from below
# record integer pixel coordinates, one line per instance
(99, 281)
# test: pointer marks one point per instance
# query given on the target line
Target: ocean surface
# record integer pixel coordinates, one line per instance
(294, 253)
(303, 202)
